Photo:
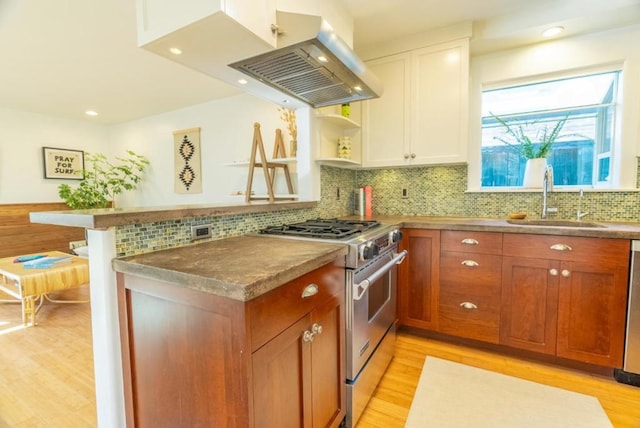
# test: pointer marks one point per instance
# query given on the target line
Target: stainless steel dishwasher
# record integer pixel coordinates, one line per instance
(630, 372)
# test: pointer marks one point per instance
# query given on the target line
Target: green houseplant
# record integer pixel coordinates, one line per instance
(103, 180)
(529, 148)
(534, 149)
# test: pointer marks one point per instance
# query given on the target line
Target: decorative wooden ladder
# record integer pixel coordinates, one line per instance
(269, 167)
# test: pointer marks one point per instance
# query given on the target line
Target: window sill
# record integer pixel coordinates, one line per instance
(557, 189)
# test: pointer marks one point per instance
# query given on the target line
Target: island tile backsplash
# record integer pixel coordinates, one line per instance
(432, 191)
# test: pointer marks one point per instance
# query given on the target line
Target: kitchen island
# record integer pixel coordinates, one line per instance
(244, 331)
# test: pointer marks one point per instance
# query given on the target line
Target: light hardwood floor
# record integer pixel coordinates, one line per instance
(46, 373)
(390, 404)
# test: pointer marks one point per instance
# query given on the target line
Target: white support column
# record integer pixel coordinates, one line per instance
(107, 360)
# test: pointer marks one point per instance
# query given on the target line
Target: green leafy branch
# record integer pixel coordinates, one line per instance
(104, 180)
(523, 143)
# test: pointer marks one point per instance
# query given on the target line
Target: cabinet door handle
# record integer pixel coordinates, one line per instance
(560, 247)
(307, 336)
(413, 155)
(309, 290)
(566, 273)
(468, 305)
(316, 328)
(469, 241)
(470, 263)
(406, 155)
(553, 272)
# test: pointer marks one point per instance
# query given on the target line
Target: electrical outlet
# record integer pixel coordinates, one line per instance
(200, 232)
(405, 193)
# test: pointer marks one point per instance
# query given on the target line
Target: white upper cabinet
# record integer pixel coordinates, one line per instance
(422, 117)
(159, 18)
(211, 34)
(386, 125)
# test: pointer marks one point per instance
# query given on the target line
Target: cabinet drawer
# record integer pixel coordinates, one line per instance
(470, 315)
(571, 248)
(472, 269)
(276, 310)
(471, 242)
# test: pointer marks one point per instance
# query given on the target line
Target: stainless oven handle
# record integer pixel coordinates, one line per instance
(361, 288)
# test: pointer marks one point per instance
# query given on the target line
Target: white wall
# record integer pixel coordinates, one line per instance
(226, 136)
(615, 47)
(21, 162)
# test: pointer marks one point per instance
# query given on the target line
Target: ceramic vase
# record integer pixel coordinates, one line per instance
(534, 173)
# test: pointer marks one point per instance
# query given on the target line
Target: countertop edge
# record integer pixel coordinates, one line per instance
(615, 230)
(235, 291)
(109, 217)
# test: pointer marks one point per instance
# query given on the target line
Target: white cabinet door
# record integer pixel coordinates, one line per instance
(440, 76)
(386, 119)
(422, 116)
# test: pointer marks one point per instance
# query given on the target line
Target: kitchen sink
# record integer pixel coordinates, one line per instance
(555, 223)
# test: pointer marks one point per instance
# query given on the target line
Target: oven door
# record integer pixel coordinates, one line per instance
(371, 308)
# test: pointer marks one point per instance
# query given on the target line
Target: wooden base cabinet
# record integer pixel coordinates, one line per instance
(566, 296)
(418, 279)
(199, 360)
(470, 281)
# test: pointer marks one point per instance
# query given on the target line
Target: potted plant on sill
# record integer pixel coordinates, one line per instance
(535, 151)
(104, 180)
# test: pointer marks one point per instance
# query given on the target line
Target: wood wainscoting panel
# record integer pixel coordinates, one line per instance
(19, 236)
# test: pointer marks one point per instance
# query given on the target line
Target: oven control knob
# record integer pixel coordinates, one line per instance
(370, 250)
(395, 236)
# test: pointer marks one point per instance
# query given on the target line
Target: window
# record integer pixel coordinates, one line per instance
(582, 153)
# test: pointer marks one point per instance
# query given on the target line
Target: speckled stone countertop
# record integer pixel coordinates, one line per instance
(240, 268)
(566, 227)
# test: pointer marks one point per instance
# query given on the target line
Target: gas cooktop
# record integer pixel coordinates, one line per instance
(323, 228)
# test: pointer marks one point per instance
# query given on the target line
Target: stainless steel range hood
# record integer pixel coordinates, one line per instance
(312, 63)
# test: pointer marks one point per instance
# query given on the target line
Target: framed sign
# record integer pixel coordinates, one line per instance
(62, 163)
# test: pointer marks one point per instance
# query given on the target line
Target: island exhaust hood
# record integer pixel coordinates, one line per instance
(312, 63)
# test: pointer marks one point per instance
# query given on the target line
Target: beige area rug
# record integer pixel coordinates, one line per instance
(453, 395)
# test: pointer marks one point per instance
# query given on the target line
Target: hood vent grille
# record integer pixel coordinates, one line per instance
(296, 71)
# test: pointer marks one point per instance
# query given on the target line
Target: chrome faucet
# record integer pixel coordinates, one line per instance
(547, 186)
(580, 214)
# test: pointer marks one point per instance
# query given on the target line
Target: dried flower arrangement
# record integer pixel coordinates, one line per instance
(289, 116)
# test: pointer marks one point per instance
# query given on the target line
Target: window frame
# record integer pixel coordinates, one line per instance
(603, 107)
(601, 52)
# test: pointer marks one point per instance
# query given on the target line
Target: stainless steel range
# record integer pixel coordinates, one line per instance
(371, 281)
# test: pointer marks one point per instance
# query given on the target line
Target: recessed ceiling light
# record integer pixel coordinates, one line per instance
(322, 58)
(242, 81)
(175, 51)
(553, 31)
(91, 113)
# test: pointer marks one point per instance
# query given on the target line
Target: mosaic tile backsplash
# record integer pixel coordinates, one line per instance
(441, 191)
(432, 191)
(142, 238)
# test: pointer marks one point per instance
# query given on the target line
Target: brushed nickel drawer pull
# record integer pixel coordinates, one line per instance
(309, 290)
(307, 336)
(553, 272)
(469, 241)
(468, 305)
(560, 247)
(566, 273)
(316, 328)
(470, 263)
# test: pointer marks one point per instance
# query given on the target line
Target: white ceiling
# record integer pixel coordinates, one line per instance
(61, 58)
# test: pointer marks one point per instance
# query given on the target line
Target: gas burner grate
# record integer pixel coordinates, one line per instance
(322, 228)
